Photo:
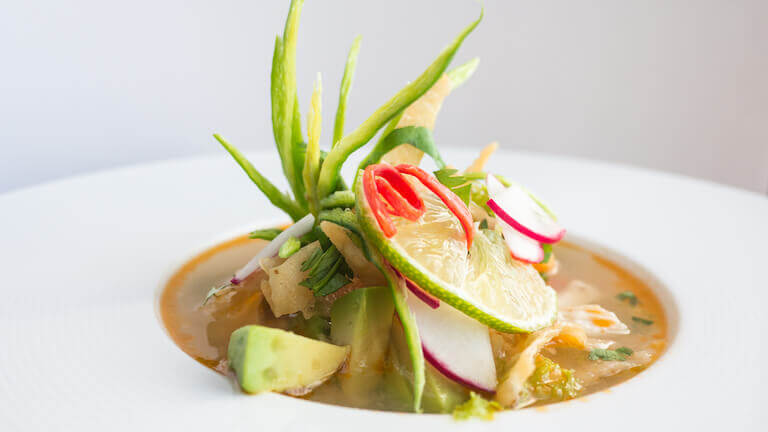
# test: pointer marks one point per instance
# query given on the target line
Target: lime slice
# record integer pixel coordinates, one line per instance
(485, 284)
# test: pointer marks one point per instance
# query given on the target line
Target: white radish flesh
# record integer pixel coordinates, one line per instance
(301, 227)
(456, 345)
(521, 247)
(515, 206)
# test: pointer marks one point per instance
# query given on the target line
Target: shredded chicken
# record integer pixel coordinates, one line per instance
(594, 319)
(577, 293)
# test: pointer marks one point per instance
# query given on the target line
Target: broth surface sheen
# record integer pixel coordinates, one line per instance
(203, 332)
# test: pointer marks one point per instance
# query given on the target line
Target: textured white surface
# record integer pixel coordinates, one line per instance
(677, 85)
(81, 260)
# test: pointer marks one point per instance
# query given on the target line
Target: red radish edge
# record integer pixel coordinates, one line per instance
(503, 215)
(424, 296)
(443, 369)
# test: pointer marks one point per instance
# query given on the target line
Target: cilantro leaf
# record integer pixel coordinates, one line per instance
(327, 271)
(628, 296)
(619, 354)
(642, 320)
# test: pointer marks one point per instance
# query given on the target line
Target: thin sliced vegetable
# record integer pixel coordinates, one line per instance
(265, 234)
(303, 226)
(343, 199)
(346, 84)
(424, 296)
(461, 74)
(515, 206)
(418, 136)
(478, 164)
(290, 247)
(312, 158)
(423, 112)
(521, 247)
(398, 289)
(329, 174)
(456, 345)
(279, 199)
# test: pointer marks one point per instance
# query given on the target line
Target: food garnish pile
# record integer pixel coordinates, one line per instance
(434, 283)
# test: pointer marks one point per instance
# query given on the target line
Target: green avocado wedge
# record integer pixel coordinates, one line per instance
(362, 320)
(269, 359)
(441, 395)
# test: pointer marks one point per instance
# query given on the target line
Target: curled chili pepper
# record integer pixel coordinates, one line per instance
(389, 192)
(449, 198)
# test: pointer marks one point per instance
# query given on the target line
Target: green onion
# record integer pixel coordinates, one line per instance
(279, 199)
(462, 73)
(329, 173)
(346, 84)
(265, 234)
(290, 247)
(312, 158)
(344, 199)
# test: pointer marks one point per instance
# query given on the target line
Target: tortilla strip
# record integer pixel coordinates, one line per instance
(423, 112)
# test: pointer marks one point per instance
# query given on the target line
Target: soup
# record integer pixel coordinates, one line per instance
(204, 332)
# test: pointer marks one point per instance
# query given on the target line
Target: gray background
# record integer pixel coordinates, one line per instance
(674, 85)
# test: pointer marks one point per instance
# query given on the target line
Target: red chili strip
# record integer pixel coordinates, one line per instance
(450, 199)
(399, 205)
(377, 205)
(401, 185)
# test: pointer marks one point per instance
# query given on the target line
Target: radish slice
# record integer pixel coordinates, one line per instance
(424, 296)
(515, 206)
(521, 247)
(456, 345)
(303, 226)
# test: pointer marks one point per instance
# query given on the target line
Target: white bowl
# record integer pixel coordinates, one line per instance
(81, 347)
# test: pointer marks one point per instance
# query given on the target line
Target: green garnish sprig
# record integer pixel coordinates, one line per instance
(619, 354)
(328, 272)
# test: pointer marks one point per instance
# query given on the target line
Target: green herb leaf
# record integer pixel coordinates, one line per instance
(290, 247)
(642, 320)
(463, 192)
(329, 174)
(547, 248)
(484, 224)
(279, 199)
(417, 136)
(265, 234)
(628, 296)
(461, 185)
(619, 354)
(346, 84)
(476, 407)
(338, 199)
(327, 271)
(312, 260)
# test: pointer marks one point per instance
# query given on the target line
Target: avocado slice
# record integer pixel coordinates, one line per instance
(270, 359)
(362, 319)
(441, 395)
